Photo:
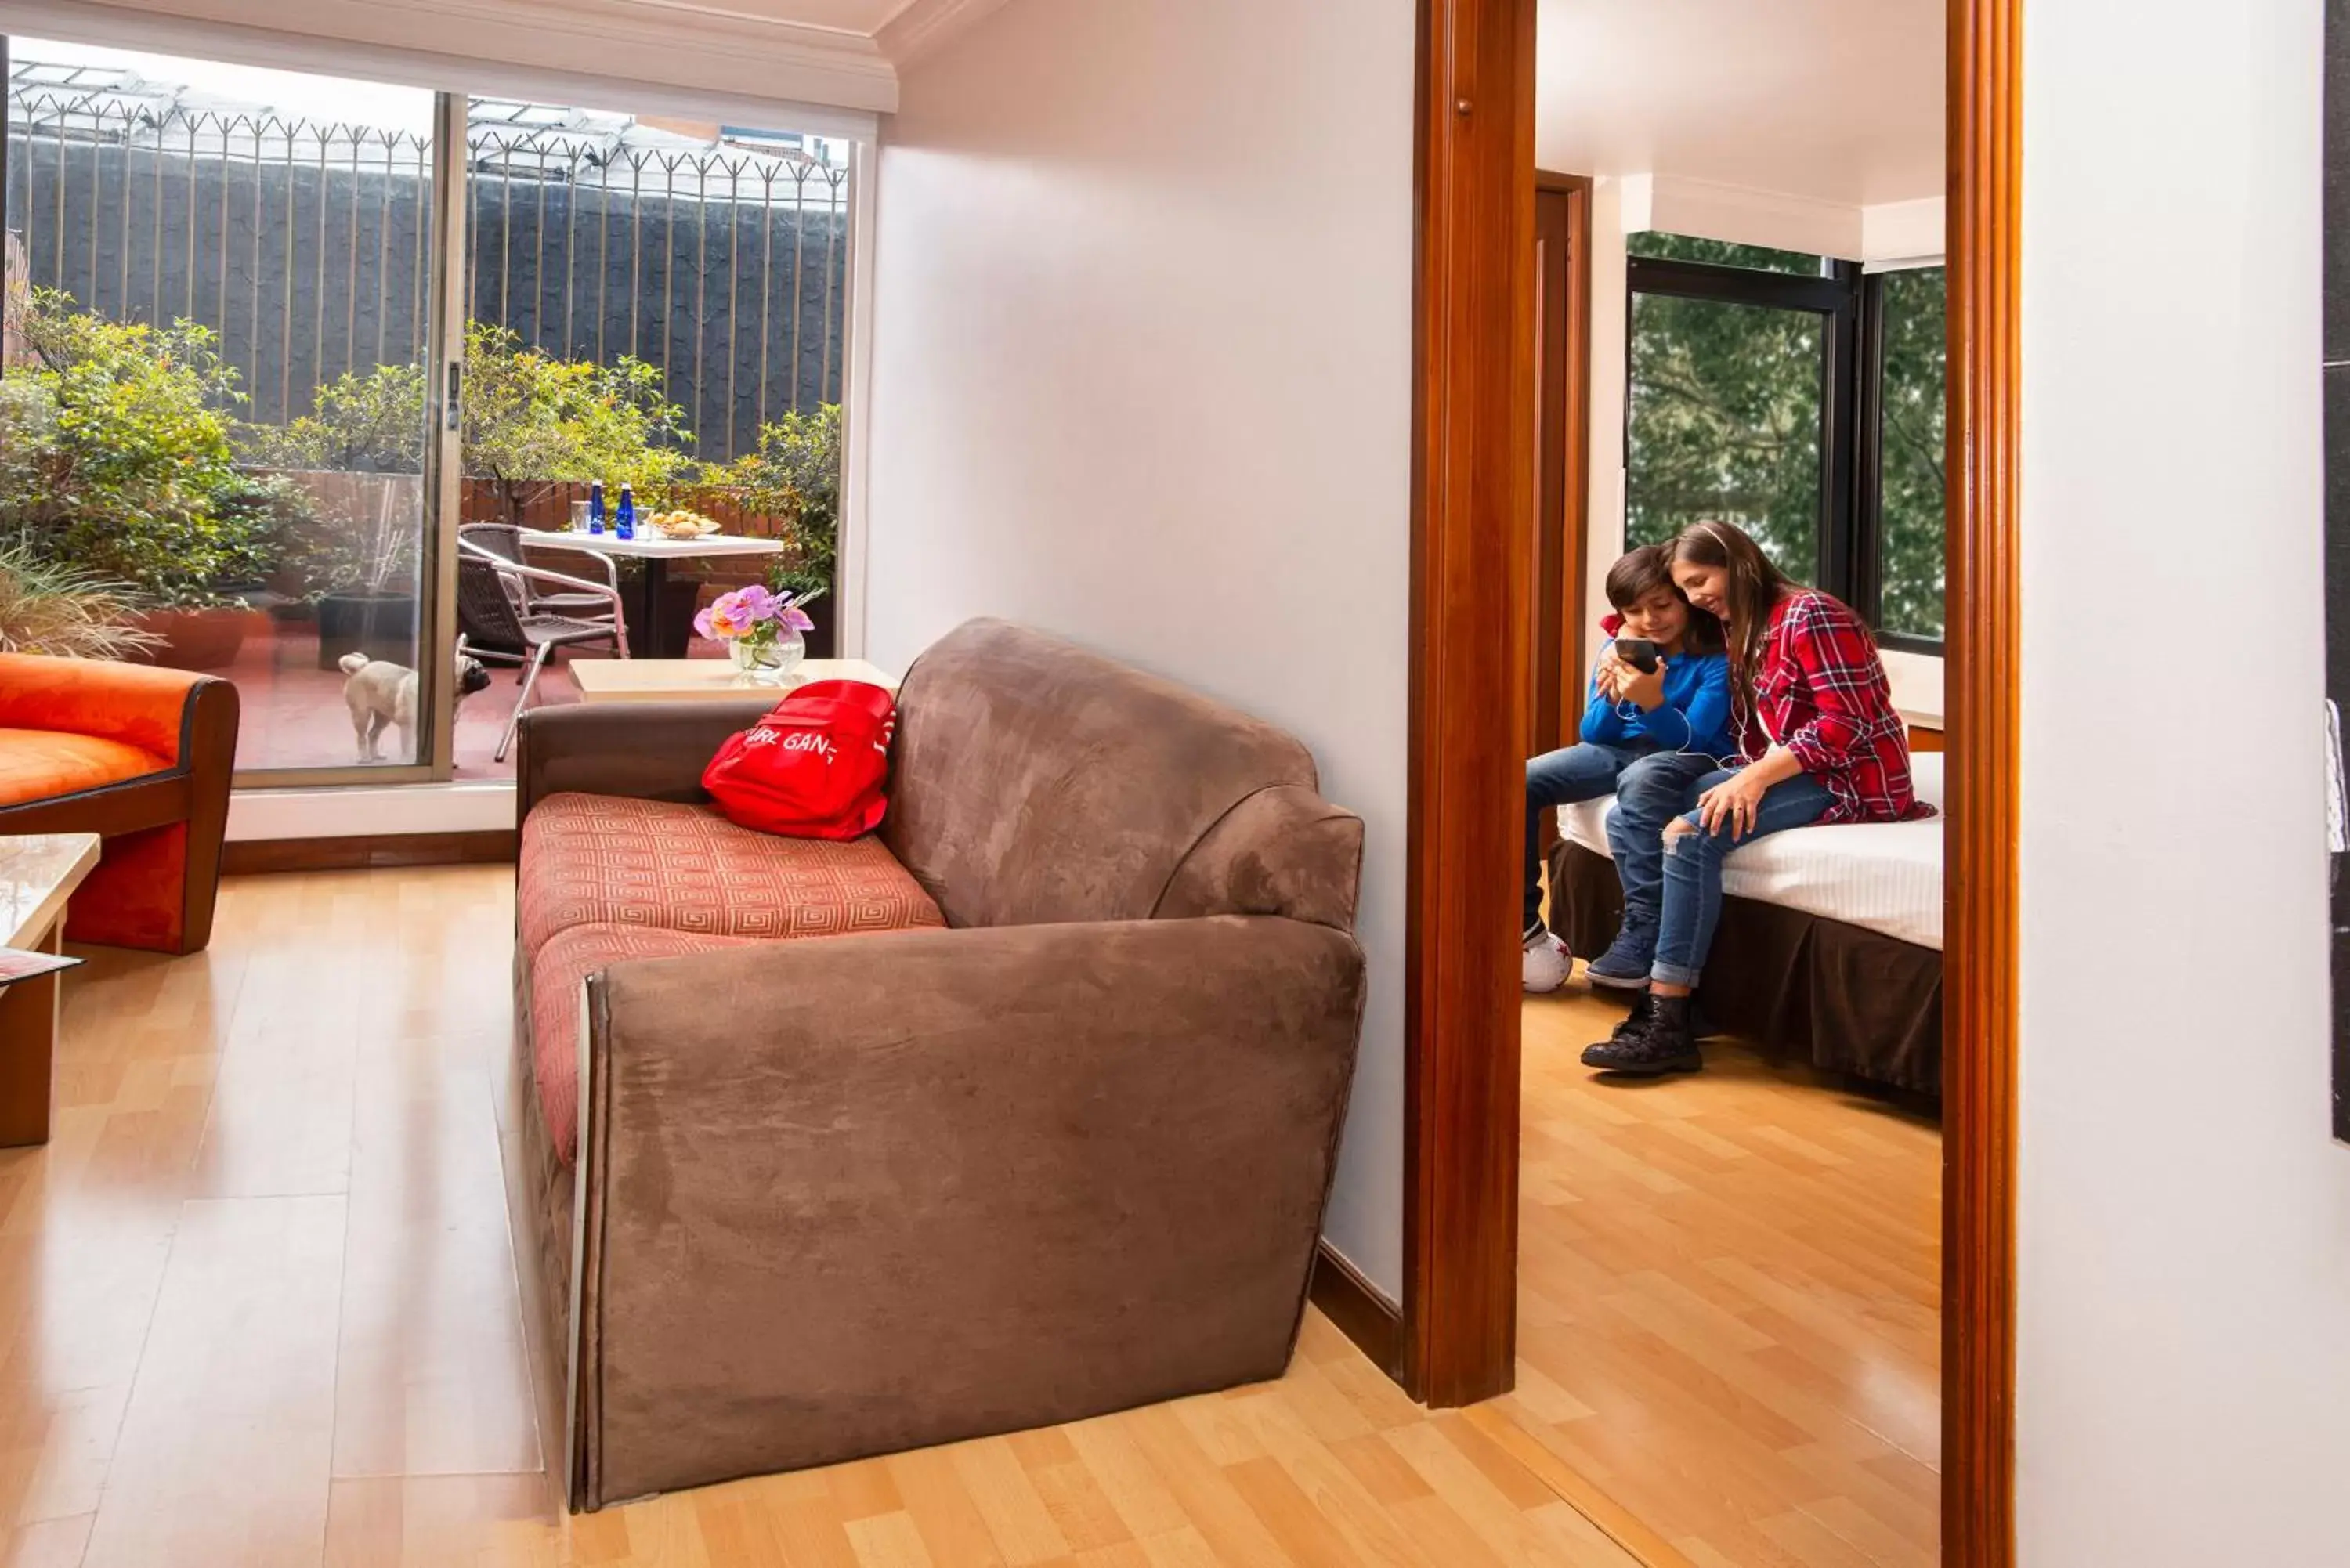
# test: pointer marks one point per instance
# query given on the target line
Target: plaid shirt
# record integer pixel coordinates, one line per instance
(1821, 692)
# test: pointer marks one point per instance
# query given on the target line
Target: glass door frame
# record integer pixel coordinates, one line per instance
(443, 489)
(442, 483)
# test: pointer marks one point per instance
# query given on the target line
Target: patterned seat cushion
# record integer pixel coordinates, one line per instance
(569, 956)
(589, 860)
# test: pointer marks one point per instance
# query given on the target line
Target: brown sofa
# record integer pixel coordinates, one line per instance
(1044, 1127)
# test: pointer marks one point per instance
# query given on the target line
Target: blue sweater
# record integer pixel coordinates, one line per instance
(1693, 717)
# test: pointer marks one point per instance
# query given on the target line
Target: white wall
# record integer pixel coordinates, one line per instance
(2184, 1388)
(1142, 375)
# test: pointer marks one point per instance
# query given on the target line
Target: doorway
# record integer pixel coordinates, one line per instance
(1474, 590)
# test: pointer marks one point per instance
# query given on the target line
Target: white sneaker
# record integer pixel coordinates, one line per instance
(1547, 963)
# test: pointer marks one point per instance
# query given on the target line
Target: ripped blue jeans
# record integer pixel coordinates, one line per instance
(1692, 906)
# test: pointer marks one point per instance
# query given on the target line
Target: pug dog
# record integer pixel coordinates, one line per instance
(379, 694)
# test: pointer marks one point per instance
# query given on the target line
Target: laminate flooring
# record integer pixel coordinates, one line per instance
(258, 1310)
(1729, 1293)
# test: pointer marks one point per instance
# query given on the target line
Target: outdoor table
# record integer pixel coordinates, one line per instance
(655, 553)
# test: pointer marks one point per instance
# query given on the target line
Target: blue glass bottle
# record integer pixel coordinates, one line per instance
(596, 506)
(624, 516)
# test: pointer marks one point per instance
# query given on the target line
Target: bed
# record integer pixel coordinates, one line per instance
(1830, 949)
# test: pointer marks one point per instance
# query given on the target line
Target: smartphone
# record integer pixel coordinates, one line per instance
(1638, 653)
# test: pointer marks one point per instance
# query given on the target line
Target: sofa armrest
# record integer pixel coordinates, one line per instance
(871, 1193)
(137, 704)
(650, 751)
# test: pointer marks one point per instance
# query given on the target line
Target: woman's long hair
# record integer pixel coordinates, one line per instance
(1755, 586)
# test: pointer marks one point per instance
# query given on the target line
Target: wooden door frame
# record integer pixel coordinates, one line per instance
(1473, 459)
(1563, 446)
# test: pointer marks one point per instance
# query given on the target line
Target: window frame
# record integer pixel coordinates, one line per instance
(1850, 303)
(1868, 479)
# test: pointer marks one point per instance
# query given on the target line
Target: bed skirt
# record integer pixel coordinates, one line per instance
(1847, 1000)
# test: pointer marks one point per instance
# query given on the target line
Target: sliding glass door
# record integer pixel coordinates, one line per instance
(289, 357)
(220, 293)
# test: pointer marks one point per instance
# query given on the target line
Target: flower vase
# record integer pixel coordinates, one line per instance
(771, 662)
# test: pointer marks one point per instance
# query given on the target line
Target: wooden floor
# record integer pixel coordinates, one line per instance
(258, 1308)
(1729, 1304)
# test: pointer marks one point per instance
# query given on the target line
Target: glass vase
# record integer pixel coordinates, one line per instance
(771, 662)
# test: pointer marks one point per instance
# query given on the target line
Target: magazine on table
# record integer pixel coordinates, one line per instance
(23, 963)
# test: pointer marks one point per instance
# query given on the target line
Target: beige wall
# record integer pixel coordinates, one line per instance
(1142, 375)
(2184, 1385)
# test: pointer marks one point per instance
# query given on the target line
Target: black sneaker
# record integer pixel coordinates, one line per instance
(1654, 1041)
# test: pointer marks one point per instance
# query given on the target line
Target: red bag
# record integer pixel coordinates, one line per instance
(814, 767)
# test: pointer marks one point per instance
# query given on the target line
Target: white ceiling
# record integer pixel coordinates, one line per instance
(863, 17)
(1837, 101)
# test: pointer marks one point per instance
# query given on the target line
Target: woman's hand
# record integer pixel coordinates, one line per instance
(1647, 691)
(1733, 802)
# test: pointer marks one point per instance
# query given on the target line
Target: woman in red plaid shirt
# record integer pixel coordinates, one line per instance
(1818, 742)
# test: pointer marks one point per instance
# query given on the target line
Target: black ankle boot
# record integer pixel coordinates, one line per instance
(1657, 1039)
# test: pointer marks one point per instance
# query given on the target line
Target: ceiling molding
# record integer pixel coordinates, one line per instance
(926, 26)
(679, 46)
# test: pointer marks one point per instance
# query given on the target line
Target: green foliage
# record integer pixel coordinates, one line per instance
(49, 606)
(115, 456)
(372, 424)
(528, 420)
(1725, 425)
(793, 474)
(1916, 355)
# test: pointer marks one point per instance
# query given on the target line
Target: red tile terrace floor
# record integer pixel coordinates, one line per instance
(294, 716)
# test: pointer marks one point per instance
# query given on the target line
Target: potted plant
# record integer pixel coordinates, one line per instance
(49, 607)
(358, 464)
(115, 461)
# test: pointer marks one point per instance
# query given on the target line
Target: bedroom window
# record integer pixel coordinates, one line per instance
(1802, 400)
(1902, 488)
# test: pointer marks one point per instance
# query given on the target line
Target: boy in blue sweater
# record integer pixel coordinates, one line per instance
(1648, 736)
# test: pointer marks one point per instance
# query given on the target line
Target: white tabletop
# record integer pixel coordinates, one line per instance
(38, 872)
(687, 679)
(610, 543)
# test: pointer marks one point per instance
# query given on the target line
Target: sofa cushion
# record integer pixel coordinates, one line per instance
(40, 764)
(590, 859)
(557, 971)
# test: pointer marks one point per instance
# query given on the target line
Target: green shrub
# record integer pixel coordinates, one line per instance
(794, 476)
(115, 456)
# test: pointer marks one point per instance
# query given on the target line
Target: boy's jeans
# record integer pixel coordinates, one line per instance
(1581, 771)
(1652, 792)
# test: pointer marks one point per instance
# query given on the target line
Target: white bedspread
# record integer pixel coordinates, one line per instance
(1884, 876)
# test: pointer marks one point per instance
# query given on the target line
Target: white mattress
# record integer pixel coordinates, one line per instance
(1884, 876)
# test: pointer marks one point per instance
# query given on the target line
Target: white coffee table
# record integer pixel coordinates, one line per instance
(693, 679)
(39, 873)
(655, 553)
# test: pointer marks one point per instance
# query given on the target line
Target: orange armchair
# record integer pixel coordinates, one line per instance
(142, 758)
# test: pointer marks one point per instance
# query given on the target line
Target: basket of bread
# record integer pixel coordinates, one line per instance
(681, 524)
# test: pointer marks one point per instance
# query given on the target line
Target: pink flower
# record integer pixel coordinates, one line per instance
(796, 618)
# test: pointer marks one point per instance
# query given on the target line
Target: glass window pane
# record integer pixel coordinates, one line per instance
(214, 389)
(659, 303)
(1663, 246)
(1725, 425)
(1912, 496)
